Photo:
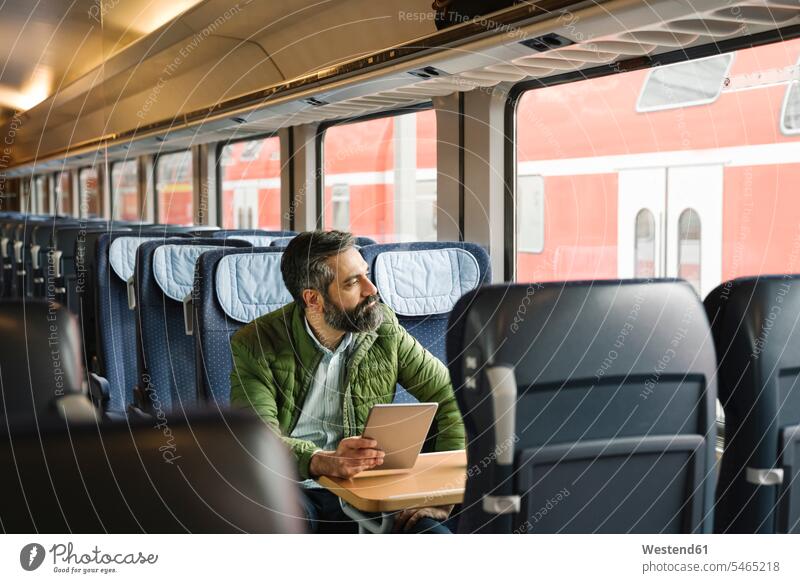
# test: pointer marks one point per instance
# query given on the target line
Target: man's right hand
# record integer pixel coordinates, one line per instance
(352, 456)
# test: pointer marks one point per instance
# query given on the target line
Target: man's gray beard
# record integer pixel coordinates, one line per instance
(359, 319)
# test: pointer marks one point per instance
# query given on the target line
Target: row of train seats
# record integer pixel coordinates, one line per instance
(589, 406)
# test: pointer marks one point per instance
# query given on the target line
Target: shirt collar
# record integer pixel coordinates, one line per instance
(343, 345)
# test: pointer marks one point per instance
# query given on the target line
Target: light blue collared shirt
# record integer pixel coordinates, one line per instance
(320, 420)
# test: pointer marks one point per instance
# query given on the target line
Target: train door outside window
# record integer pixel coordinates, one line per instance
(125, 190)
(530, 214)
(245, 207)
(645, 245)
(340, 206)
(89, 193)
(790, 112)
(174, 195)
(669, 224)
(425, 204)
(42, 194)
(380, 177)
(250, 173)
(63, 185)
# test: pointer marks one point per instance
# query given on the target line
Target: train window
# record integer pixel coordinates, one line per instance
(388, 166)
(41, 189)
(63, 185)
(89, 193)
(174, 196)
(601, 163)
(689, 245)
(250, 173)
(645, 253)
(790, 118)
(530, 214)
(125, 190)
(684, 84)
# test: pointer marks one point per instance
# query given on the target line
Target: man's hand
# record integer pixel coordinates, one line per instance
(406, 519)
(353, 455)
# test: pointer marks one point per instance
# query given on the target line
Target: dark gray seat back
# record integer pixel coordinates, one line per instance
(589, 407)
(756, 326)
(40, 358)
(202, 474)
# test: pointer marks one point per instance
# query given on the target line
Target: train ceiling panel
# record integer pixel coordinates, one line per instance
(271, 44)
(47, 45)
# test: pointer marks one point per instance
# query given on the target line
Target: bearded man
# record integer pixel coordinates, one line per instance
(313, 369)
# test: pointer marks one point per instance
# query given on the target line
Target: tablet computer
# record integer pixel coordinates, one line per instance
(400, 430)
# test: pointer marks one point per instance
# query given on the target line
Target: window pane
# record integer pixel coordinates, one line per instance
(791, 110)
(42, 193)
(601, 162)
(645, 245)
(174, 196)
(389, 168)
(682, 84)
(530, 214)
(689, 247)
(90, 193)
(125, 189)
(251, 184)
(64, 193)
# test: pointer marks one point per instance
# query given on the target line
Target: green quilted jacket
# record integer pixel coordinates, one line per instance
(274, 360)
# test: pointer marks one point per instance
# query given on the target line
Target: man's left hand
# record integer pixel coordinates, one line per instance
(405, 520)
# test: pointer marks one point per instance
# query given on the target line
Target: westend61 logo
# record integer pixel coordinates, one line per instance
(65, 560)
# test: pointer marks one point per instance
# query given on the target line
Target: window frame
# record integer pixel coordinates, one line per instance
(633, 64)
(219, 167)
(156, 158)
(319, 163)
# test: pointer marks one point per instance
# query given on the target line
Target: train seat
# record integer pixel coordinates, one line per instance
(284, 241)
(7, 226)
(41, 236)
(20, 248)
(421, 282)
(204, 473)
(233, 287)
(256, 237)
(114, 368)
(41, 371)
(164, 276)
(65, 272)
(589, 407)
(754, 322)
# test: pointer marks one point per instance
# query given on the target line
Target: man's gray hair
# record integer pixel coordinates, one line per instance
(304, 266)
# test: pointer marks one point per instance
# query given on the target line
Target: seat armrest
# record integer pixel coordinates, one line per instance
(99, 389)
